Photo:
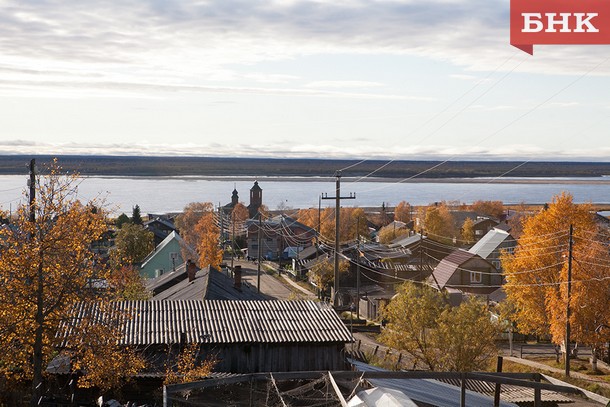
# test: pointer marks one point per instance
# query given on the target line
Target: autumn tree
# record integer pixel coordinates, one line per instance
(353, 223)
(411, 317)
(322, 275)
(188, 366)
(465, 336)
(439, 223)
(467, 231)
(309, 217)
(536, 274)
(489, 208)
(208, 246)
(437, 336)
(46, 267)
(389, 233)
(132, 244)
(95, 348)
(187, 222)
(402, 212)
(126, 283)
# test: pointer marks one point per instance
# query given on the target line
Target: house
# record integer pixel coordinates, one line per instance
(463, 272)
(243, 336)
(161, 227)
(482, 226)
(205, 284)
(166, 257)
(167, 280)
(277, 234)
(491, 246)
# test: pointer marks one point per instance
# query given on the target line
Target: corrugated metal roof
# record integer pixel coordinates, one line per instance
(511, 393)
(490, 242)
(217, 321)
(448, 266)
(209, 284)
(431, 392)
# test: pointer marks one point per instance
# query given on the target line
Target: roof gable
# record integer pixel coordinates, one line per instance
(449, 265)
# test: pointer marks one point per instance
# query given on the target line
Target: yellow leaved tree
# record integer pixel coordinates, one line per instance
(537, 274)
(46, 267)
(437, 336)
(208, 245)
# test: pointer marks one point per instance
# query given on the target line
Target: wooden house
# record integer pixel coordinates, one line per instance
(166, 257)
(465, 272)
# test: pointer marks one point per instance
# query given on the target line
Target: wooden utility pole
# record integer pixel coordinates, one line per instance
(357, 274)
(260, 252)
(568, 311)
(32, 185)
(337, 199)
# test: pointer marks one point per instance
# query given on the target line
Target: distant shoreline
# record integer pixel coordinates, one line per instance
(315, 169)
(523, 180)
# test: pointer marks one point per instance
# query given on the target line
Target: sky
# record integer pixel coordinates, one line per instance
(378, 79)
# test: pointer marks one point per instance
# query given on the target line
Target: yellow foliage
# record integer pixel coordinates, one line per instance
(437, 336)
(210, 253)
(189, 367)
(537, 273)
(46, 267)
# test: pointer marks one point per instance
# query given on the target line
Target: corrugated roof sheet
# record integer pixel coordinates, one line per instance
(431, 392)
(490, 242)
(209, 284)
(217, 321)
(445, 269)
(510, 393)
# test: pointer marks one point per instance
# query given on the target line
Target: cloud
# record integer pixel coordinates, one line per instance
(304, 150)
(175, 39)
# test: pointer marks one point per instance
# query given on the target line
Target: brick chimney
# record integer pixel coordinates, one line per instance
(191, 270)
(237, 275)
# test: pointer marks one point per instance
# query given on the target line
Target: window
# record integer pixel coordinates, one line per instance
(476, 277)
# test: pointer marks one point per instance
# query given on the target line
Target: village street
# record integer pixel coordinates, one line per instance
(277, 288)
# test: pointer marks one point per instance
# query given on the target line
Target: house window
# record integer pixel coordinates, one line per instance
(476, 277)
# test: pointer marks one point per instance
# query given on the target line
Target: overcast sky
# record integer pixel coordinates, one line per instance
(401, 79)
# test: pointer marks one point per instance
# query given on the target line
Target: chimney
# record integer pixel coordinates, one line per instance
(191, 270)
(237, 274)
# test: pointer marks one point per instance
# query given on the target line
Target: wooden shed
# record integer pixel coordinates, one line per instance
(244, 336)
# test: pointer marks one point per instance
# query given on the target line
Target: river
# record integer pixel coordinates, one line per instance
(171, 194)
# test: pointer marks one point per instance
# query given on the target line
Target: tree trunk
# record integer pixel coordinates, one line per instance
(38, 340)
(594, 358)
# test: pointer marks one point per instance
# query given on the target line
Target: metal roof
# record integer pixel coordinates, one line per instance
(209, 284)
(490, 242)
(510, 393)
(429, 391)
(219, 322)
(449, 265)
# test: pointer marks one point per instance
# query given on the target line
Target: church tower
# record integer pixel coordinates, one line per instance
(256, 200)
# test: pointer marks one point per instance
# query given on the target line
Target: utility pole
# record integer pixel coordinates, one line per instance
(260, 252)
(337, 199)
(232, 239)
(568, 311)
(421, 255)
(32, 185)
(357, 273)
